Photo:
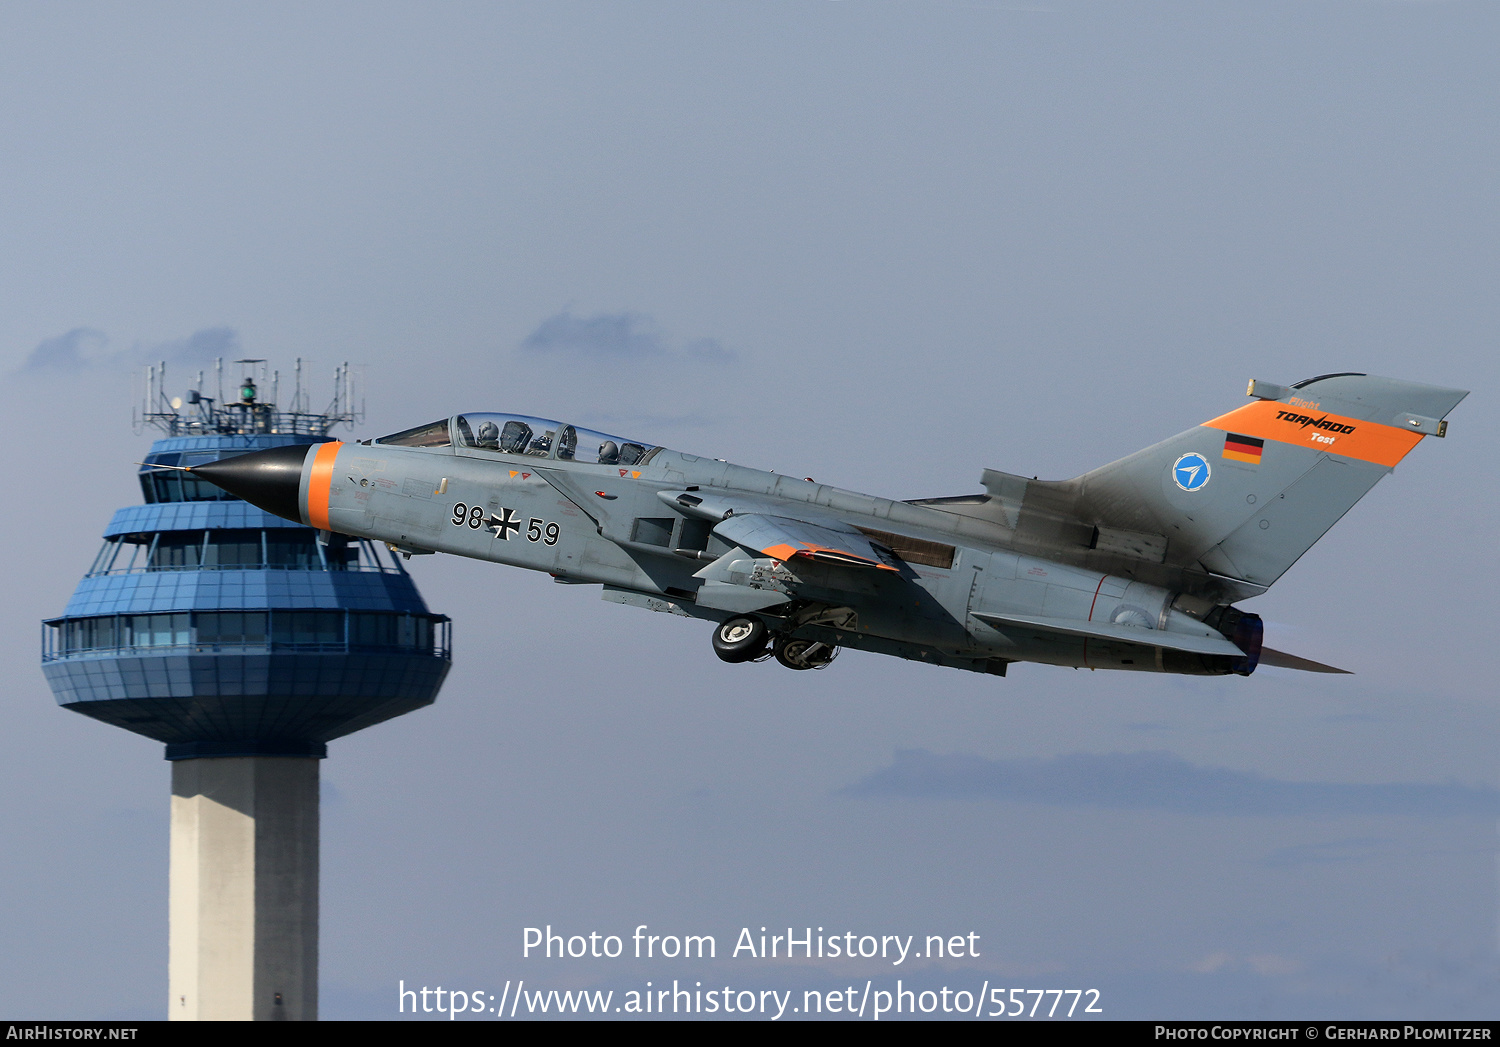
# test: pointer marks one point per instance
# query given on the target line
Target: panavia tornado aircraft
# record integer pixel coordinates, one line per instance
(1135, 565)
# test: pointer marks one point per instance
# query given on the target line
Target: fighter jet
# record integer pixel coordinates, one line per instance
(1136, 565)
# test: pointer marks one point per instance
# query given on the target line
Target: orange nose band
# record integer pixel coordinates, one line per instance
(319, 483)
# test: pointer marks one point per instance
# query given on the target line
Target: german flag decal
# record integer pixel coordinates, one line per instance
(1239, 448)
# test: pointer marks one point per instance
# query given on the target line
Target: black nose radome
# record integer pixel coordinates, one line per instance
(269, 479)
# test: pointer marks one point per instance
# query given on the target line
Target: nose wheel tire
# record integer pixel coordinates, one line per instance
(740, 640)
(804, 654)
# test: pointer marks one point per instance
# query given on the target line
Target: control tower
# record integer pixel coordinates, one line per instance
(245, 643)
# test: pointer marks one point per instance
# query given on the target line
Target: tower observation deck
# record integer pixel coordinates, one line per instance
(245, 643)
(221, 630)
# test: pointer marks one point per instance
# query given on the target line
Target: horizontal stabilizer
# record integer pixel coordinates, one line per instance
(1113, 633)
(1282, 660)
(784, 539)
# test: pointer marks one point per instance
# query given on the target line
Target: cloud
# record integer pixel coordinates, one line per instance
(1327, 852)
(709, 350)
(200, 347)
(67, 353)
(1267, 965)
(648, 422)
(618, 336)
(85, 348)
(1159, 781)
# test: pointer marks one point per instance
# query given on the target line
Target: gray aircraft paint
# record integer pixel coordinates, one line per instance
(1130, 566)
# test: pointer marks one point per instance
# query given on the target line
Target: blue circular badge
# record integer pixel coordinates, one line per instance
(1191, 472)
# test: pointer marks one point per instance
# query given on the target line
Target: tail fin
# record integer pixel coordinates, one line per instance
(1233, 502)
(1246, 494)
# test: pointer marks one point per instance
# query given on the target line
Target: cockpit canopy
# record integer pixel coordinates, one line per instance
(522, 435)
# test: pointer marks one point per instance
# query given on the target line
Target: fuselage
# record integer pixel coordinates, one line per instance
(648, 526)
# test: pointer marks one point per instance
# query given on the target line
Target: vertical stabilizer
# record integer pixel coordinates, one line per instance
(1244, 495)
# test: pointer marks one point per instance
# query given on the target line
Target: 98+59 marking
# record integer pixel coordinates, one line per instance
(505, 524)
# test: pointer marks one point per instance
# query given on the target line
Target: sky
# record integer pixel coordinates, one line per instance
(884, 243)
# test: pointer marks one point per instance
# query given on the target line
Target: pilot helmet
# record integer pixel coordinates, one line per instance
(609, 452)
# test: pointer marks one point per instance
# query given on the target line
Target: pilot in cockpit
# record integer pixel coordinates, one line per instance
(609, 453)
(489, 436)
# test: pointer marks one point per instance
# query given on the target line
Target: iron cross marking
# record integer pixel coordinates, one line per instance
(505, 524)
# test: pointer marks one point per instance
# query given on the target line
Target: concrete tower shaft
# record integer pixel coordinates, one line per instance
(243, 921)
